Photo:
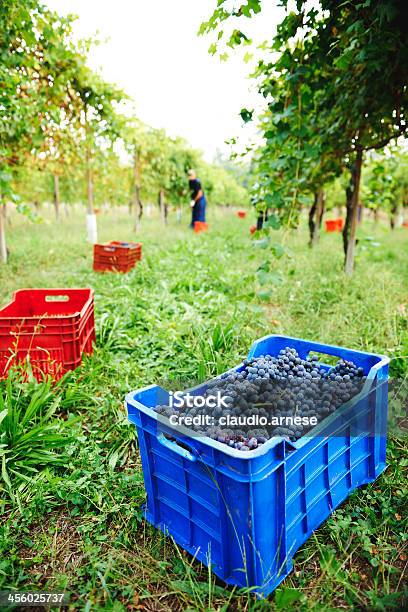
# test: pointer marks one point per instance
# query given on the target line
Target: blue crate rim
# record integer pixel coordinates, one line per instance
(183, 434)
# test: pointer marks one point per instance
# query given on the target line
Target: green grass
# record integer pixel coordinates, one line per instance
(188, 311)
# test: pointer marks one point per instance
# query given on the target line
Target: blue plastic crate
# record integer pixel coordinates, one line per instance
(246, 514)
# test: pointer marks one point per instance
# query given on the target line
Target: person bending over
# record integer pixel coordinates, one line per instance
(198, 201)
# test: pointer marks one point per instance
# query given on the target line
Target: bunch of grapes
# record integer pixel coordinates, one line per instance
(280, 387)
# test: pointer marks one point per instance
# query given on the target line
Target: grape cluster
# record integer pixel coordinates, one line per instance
(272, 389)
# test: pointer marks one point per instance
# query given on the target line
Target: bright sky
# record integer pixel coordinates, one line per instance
(153, 53)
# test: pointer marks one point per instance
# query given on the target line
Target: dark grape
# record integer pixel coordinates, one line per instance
(269, 386)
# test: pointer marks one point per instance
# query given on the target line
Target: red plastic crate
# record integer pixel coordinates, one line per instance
(200, 226)
(132, 248)
(52, 327)
(334, 225)
(116, 256)
(331, 225)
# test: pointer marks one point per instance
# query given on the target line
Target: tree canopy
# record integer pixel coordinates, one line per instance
(334, 80)
(64, 133)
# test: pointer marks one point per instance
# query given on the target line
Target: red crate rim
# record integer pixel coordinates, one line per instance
(125, 244)
(120, 244)
(50, 291)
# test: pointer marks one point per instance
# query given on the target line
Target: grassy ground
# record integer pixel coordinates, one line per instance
(188, 311)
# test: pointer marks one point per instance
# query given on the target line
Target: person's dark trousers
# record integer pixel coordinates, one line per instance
(198, 211)
(194, 215)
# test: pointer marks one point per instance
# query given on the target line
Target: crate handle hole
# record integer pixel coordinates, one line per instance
(57, 298)
(177, 446)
